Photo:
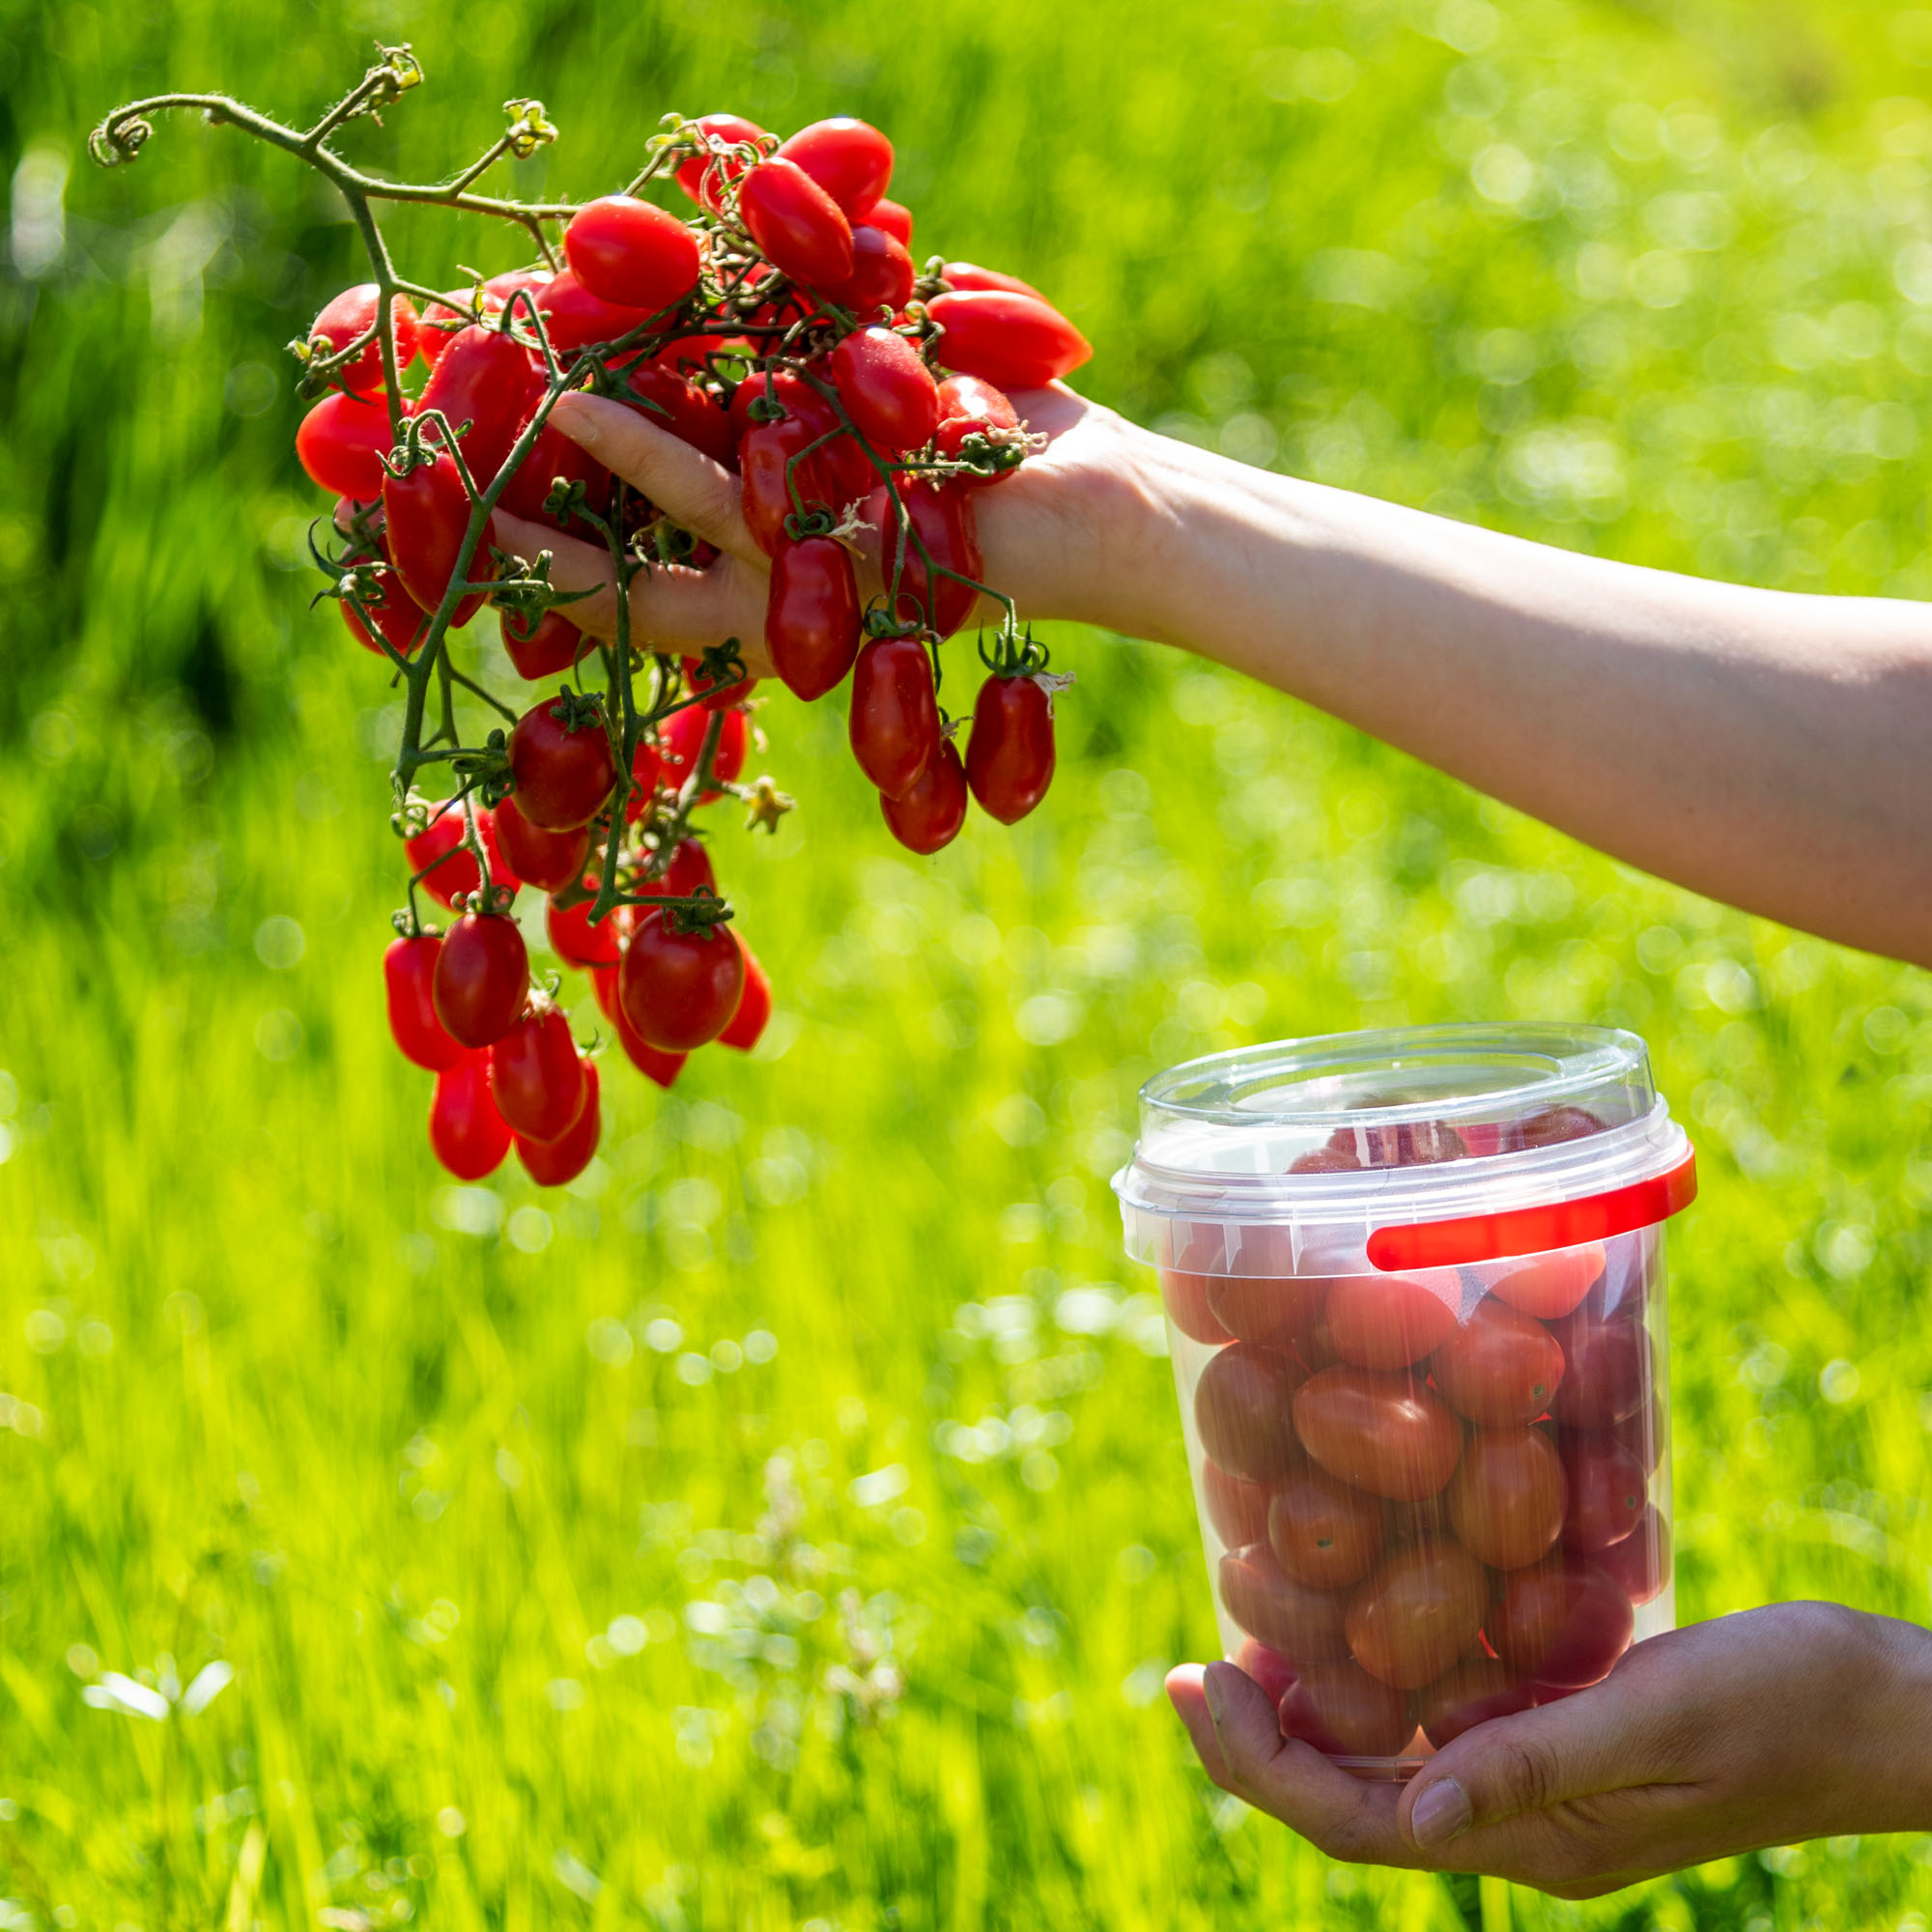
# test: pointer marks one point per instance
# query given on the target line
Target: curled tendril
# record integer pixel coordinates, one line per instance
(119, 139)
(531, 127)
(400, 68)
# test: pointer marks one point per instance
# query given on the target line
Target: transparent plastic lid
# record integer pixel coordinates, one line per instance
(1402, 1125)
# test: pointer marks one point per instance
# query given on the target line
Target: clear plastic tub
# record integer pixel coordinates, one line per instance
(1414, 1286)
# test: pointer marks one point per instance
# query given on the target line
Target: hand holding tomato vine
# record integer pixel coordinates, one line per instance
(834, 411)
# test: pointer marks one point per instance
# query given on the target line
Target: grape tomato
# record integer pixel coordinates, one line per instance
(1243, 1407)
(1380, 1431)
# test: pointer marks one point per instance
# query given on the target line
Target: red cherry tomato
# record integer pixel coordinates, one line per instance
(1608, 1376)
(397, 616)
(673, 402)
(573, 318)
(467, 1133)
(787, 389)
(353, 313)
(977, 423)
(1563, 1622)
(550, 648)
(679, 990)
(646, 770)
(887, 390)
(927, 815)
(689, 869)
(1279, 1312)
(754, 1005)
(564, 772)
(1243, 1407)
(631, 252)
(1472, 1693)
(850, 161)
(717, 697)
(1642, 1433)
(1552, 1285)
(1499, 1367)
(1341, 1710)
(1013, 341)
(438, 323)
(409, 967)
(769, 474)
(1417, 1614)
(482, 979)
(1236, 1510)
(1639, 1562)
(1183, 1293)
(556, 1163)
(702, 175)
(882, 273)
(554, 458)
(894, 725)
(1382, 1432)
(500, 288)
(812, 616)
(1554, 1125)
(1010, 757)
(894, 217)
(1506, 1498)
(1387, 1322)
(547, 860)
(799, 228)
(1609, 1490)
(537, 1077)
(1324, 1534)
(684, 734)
(659, 1068)
(1267, 1668)
(1305, 1626)
(341, 444)
(1325, 1160)
(970, 277)
(943, 520)
(426, 516)
(486, 380)
(576, 940)
(453, 875)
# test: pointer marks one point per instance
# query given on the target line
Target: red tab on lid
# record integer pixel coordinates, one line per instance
(1536, 1230)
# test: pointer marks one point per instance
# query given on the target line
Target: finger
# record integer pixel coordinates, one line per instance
(701, 495)
(1190, 1706)
(674, 609)
(1344, 1816)
(1596, 1742)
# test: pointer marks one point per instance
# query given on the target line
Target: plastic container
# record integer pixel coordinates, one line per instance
(1414, 1288)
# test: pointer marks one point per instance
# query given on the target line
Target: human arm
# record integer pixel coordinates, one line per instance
(1798, 1721)
(1762, 747)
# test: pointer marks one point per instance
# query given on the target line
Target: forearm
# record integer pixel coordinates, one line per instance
(1897, 1694)
(1767, 749)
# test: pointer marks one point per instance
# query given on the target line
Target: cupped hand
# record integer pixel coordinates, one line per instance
(1800, 1720)
(1049, 533)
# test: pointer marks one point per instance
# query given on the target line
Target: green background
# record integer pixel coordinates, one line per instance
(786, 1526)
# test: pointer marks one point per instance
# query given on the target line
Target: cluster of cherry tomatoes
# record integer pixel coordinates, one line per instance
(783, 331)
(463, 1003)
(1428, 1514)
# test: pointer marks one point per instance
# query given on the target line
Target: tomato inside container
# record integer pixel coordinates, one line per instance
(1416, 1297)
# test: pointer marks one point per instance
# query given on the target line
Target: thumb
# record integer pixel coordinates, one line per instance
(1522, 1763)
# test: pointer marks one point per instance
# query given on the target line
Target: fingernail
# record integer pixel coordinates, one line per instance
(1441, 1813)
(1210, 1691)
(580, 425)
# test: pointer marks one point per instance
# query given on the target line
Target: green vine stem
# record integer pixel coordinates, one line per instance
(636, 536)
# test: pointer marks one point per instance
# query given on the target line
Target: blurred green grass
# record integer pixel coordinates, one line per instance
(786, 1526)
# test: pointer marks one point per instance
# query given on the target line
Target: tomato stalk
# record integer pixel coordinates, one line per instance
(734, 285)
